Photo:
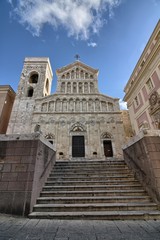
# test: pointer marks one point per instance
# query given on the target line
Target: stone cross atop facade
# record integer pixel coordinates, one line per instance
(77, 57)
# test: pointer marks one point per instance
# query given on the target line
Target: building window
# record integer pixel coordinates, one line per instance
(136, 101)
(30, 92)
(33, 78)
(149, 85)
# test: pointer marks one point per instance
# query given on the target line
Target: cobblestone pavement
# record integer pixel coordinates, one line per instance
(17, 228)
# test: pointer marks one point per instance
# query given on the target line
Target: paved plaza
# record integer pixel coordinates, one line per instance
(18, 228)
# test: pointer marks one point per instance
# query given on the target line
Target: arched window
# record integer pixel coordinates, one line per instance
(77, 105)
(72, 74)
(47, 85)
(110, 106)
(30, 92)
(90, 105)
(91, 87)
(84, 105)
(85, 87)
(82, 74)
(63, 87)
(77, 72)
(80, 87)
(86, 75)
(71, 105)
(74, 87)
(97, 105)
(68, 87)
(33, 78)
(68, 75)
(64, 105)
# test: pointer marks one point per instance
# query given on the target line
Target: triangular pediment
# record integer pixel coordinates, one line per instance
(76, 65)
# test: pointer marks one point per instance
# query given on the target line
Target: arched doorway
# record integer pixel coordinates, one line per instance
(77, 133)
(107, 145)
(78, 146)
(108, 151)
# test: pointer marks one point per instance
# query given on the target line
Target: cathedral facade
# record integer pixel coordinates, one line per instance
(78, 120)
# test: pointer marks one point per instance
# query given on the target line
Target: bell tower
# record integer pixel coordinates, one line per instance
(35, 82)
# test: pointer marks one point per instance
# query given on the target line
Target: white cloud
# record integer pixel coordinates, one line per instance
(92, 44)
(79, 17)
(123, 105)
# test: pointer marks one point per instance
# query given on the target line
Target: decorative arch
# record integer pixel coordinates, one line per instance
(50, 137)
(58, 105)
(44, 107)
(78, 127)
(64, 105)
(106, 135)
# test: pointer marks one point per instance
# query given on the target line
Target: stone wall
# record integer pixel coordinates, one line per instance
(142, 155)
(25, 162)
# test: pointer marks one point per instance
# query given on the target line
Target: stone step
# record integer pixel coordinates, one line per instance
(91, 187)
(124, 193)
(99, 215)
(83, 175)
(93, 199)
(84, 168)
(50, 182)
(91, 165)
(94, 207)
(102, 171)
(83, 161)
(99, 178)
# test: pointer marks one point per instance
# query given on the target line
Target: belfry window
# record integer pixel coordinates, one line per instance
(33, 78)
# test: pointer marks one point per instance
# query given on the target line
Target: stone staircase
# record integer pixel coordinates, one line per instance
(93, 189)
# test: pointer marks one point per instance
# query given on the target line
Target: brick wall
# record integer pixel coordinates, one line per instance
(25, 162)
(143, 157)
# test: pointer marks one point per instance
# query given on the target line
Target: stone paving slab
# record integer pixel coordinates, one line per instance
(18, 228)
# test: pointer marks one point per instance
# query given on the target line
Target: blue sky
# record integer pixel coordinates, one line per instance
(107, 34)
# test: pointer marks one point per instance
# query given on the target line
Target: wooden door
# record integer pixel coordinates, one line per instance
(78, 147)
(108, 152)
